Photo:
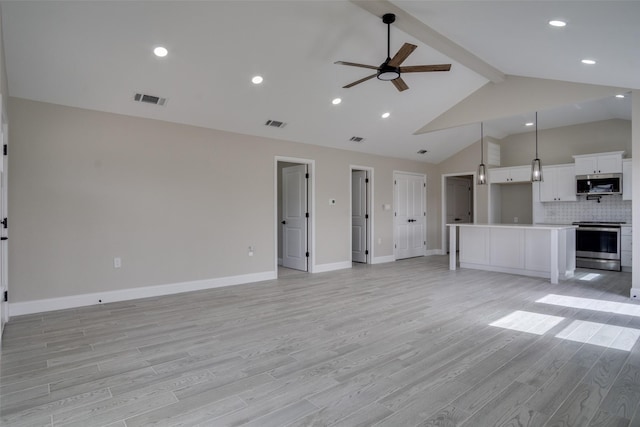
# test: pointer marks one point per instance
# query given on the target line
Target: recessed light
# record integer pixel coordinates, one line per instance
(385, 115)
(620, 96)
(557, 23)
(160, 51)
(529, 124)
(256, 80)
(336, 101)
(588, 61)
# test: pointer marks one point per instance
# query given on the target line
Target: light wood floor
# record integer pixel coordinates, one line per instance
(398, 344)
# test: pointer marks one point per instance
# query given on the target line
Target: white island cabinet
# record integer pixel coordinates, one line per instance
(531, 250)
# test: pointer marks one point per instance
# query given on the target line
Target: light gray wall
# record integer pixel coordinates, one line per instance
(4, 88)
(557, 146)
(516, 201)
(177, 203)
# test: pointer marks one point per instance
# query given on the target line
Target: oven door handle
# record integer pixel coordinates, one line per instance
(598, 229)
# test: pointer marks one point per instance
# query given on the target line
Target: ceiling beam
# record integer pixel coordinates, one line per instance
(421, 31)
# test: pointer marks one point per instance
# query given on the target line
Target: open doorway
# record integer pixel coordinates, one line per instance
(361, 214)
(458, 202)
(294, 219)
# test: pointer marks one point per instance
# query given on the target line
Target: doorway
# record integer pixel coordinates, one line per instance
(458, 202)
(294, 215)
(361, 214)
(410, 215)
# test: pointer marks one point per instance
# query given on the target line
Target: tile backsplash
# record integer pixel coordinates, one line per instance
(610, 208)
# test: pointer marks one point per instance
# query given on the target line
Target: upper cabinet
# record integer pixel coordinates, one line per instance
(626, 179)
(589, 164)
(510, 175)
(559, 184)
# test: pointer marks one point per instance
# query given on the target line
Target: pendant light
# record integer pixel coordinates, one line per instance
(482, 171)
(536, 166)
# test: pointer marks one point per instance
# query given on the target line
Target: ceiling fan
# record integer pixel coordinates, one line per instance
(390, 69)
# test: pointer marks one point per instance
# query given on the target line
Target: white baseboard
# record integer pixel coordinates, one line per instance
(383, 259)
(73, 301)
(430, 252)
(323, 268)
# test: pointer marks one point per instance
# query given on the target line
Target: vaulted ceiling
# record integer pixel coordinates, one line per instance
(98, 54)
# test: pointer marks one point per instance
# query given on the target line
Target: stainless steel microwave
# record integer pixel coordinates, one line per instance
(606, 183)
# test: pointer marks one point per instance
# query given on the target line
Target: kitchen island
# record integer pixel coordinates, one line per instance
(531, 250)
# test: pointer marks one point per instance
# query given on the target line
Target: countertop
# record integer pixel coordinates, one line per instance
(525, 226)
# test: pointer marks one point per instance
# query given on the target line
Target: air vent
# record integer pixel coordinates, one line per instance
(356, 139)
(275, 124)
(149, 99)
(422, 151)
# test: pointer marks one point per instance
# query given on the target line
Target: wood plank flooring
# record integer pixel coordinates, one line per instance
(408, 343)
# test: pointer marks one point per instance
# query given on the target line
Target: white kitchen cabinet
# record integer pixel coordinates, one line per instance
(626, 249)
(627, 174)
(559, 184)
(510, 174)
(588, 164)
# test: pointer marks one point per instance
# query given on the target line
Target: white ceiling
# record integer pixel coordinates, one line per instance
(96, 55)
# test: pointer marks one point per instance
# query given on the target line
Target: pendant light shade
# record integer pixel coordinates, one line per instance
(536, 166)
(482, 170)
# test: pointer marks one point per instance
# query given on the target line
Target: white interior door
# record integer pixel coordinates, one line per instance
(294, 217)
(359, 216)
(4, 306)
(410, 215)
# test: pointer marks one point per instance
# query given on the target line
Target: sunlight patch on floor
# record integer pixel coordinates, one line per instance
(592, 304)
(612, 336)
(525, 321)
(589, 277)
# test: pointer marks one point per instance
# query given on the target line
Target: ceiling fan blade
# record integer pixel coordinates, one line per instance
(400, 84)
(357, 82)
(353, 64)
(425, 68)
(402, 54)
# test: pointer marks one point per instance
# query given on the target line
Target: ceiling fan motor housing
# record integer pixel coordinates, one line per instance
(387, 72)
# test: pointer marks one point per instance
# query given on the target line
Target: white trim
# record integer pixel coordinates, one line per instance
(82, 300)
(383, 259)
(443, 203)
(312, 207)
(370, 210)
(431, 252)
(323, 268)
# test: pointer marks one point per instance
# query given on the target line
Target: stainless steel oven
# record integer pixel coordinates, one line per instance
(598, 245)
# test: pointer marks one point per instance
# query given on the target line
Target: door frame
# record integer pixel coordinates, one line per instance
(395, 208)
(443, 203)
(370, 228)
(311, 230)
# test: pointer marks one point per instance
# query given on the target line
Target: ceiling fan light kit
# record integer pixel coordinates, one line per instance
(390, 69)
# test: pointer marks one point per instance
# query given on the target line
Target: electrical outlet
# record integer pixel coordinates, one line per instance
(117, 262)
(251, 250)
(515, 219)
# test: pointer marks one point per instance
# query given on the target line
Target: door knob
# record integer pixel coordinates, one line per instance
(284, 222)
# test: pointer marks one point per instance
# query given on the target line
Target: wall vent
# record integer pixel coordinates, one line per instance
(275, 123)
(356, 139)
(422, 151)
(149, 99)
